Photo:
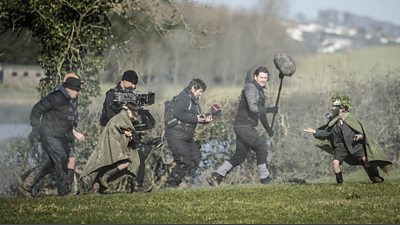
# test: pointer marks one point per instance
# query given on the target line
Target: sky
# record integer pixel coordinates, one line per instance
(383, 10)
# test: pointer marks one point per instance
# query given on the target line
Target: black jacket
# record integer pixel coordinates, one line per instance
(340, 135)
(252, 106)
(55, 115)
(186, 109)
(109, 109)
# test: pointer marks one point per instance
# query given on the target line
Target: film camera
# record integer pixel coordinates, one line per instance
(146, 120)
(334, 110)
(135, 98)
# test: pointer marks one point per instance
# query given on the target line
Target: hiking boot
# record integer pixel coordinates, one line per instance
(215, 179)
(266, 180)
(103, 181)
(377, 179)
(339, 178)
(25, 192)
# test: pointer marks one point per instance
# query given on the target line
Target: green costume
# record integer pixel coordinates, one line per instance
(373, 151)
(113, 146)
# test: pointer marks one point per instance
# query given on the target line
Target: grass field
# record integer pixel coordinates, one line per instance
(352, 202)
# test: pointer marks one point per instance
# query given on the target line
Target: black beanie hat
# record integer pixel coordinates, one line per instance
(130, 76)
(73, 83)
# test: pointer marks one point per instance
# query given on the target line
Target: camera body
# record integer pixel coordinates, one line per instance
(215, 111)
(334, 111)
(138, 99)
(146, 120)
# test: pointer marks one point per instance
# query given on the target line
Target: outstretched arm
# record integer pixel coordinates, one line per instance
(319, 133)
(309, 130)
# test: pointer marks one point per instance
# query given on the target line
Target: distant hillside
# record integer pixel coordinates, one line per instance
(335, 31)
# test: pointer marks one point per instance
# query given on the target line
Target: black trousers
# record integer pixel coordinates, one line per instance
(247, 138)
(57, 150)
(187, 157)
(144, 152)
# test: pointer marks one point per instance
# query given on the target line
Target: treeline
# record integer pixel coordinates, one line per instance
(223, 48)
(216, 44)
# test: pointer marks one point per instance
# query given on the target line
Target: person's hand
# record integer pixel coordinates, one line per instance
(209, 119)
(201, 118)
(128, 134)
(358, 137)
(78, 135)
(136, 136)
(34, 135)
(309, 130)
(270, 132)
(204, 119)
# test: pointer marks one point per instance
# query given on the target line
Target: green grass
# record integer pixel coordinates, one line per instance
(353, 202)
(359, 175)
(328, 71)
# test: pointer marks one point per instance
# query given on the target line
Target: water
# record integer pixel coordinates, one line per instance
(8, 130)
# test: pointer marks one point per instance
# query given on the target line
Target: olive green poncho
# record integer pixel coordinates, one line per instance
(373, 151)
(113, 146)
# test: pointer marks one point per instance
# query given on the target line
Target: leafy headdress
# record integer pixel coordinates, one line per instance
(345, 100)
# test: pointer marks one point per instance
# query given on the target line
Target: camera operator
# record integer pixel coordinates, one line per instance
(180, 136)
(128, 83)
(111, 108)
(113, 155)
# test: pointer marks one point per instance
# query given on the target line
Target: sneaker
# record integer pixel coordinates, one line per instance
(215, 179)
(266, 180)
(142, 189)
(24, 192)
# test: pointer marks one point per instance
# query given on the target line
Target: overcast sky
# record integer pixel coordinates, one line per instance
(384, 10)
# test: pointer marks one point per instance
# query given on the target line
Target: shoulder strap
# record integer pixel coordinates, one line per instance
(190, 103)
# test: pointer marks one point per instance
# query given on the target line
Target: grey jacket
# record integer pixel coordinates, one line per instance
(252, 106)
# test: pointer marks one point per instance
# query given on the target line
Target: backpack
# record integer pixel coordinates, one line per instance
(169, 119)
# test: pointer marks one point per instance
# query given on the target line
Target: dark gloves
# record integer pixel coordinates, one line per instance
(134, 142)
(34, 135)
(157, 142)
(137, 137)
(270, 132)
(272, 109)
